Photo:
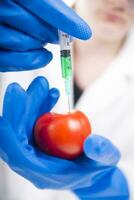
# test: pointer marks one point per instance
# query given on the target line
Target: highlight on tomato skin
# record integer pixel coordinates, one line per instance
(62, 135)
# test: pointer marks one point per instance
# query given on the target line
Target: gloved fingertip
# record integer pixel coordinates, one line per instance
(40, 82)
(13, 86)
(54, 93)
(53, 97)
(30, 60)
(14, 89)
(85, 32)
(49, 54)
(80, 30)
(76, 26)
(101, 150)
(50, 102)
(44, 58)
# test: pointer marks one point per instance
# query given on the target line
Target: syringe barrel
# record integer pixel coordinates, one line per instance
(65, 41)
(66, 64)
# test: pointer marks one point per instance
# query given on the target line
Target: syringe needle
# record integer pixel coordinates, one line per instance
(69, 104)
(66, 65)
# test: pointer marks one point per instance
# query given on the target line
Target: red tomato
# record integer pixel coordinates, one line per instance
(62, 135)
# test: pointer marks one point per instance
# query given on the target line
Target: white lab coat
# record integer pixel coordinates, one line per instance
(109, 104)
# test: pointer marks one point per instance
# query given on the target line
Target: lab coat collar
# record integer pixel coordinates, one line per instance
(109, 86)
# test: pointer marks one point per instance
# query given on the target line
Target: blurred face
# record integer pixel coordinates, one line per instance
(109, 19)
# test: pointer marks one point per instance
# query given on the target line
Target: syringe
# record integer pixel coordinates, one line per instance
(66, 64)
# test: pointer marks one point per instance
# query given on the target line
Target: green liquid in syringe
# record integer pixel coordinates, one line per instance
(67, 72)
(66, 64)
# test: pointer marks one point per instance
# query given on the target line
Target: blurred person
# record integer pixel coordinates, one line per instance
(104, 74)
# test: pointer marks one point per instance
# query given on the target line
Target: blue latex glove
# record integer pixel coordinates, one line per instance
(113, 185)
(83, 175)
(26, 26)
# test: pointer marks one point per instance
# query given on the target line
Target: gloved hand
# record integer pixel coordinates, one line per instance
(111, 185)
(20, 111)
(26, 26)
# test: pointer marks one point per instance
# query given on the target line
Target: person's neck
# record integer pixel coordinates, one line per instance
(97, 47)
(92, 58)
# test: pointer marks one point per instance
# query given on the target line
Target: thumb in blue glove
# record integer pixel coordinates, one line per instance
(112, 185)
(101, 150)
